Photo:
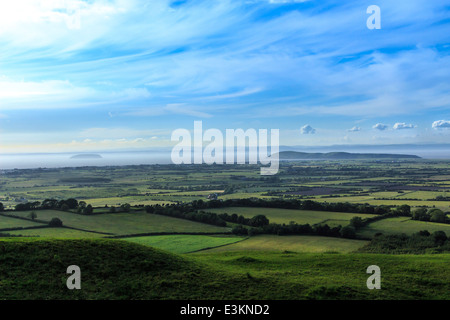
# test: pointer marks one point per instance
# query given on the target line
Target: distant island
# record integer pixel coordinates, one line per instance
(294, 155)
(86, 156)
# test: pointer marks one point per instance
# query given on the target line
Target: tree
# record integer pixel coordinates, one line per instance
(49, 204)
(259, 221)
(404, 210)
(356, 222)
(1, 207)
(112, 209)
(82, 204)
(32, 215)
(239, 230)
(65, 207)
(55, 222)
(88, 209)
(439, 237)
(437, 215)
(125, 207)
(348, 232)
(420, 214)
(72, 203)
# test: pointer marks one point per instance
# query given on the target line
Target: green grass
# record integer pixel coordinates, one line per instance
(60, 233)
(117, 269)
(7, 222)
(401, 225)
(275, 243)
(184, 243)
(125, 223)
(288, 215)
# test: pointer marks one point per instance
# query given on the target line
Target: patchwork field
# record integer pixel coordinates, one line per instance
(185, 243)
(56, 233)
(213, 262)
(298, 216)
(292, 243)
(8, 222)
(126, 223)
(402, 225)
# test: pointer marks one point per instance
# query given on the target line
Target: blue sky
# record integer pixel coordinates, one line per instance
(92, 75)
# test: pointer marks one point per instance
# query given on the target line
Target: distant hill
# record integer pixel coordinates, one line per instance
(86, 156)
(294, 155)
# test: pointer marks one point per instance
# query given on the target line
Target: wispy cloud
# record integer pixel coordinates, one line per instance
(380, 126)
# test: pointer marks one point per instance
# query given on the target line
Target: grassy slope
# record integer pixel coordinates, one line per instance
(115, 269)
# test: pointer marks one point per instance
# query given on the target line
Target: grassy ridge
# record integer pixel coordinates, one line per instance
(117, 269)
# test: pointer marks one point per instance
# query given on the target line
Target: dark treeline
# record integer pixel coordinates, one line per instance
(70, 204)
(186, 212)
(418, 243)
(297, 229)
(295, 204)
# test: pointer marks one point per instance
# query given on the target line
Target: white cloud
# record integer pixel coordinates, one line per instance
(380, 126)
(402, 125)
(307, 129)
(354, 129)
(441, 124)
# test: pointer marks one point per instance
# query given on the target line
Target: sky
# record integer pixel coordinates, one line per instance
(82, 75)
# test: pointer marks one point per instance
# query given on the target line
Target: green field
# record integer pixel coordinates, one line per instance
(402, 225)
(185, 243)
(7, 222)
(288, 215)
(59, 233)
(269, 243)
(125, 223)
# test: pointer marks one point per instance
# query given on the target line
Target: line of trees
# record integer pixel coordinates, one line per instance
(432, 215)
(297, 229)
(300, 205)
(184, 212)
(418, 243)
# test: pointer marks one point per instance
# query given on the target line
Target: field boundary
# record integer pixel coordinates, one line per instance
(219, 246)
(168, 234)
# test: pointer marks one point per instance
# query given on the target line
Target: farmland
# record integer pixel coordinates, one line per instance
(190, 214)
(288, 215)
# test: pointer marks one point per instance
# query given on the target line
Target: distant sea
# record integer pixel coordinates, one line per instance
(59, 160)
(162, 156)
